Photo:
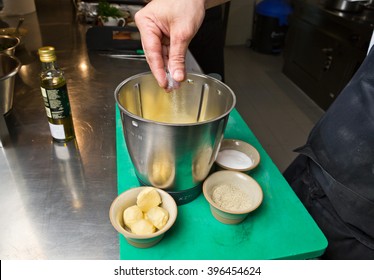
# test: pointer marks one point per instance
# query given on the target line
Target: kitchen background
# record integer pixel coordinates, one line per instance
(290, 88)
(325, 43)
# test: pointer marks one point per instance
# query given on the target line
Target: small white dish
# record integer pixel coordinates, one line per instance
(237, 155)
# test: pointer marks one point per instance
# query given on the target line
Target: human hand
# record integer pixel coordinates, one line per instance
(166, 28)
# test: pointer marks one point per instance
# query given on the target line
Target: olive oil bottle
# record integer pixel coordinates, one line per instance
(55, 96)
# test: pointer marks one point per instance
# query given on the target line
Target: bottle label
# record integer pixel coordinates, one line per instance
(56, 102)
(57, 131)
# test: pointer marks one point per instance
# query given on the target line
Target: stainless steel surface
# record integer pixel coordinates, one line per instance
(4, 133)
(9, 67)
(55, 199)
(173, 137)
(8, 44)
(354, 6)
(140, 57)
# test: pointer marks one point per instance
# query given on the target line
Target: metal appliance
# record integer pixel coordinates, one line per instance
(173, 137)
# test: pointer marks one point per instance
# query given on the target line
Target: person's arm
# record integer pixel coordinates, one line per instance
(166, 28)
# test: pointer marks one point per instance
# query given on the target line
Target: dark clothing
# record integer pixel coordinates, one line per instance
(334, 175)
(207, 46)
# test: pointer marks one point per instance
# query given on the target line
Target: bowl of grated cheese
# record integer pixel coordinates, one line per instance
(232, 195)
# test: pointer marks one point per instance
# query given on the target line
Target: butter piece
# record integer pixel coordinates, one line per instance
(148, 198)
(132, 214)
(158, 216)
(142, 227)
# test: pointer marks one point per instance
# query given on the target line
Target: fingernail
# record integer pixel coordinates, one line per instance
(178, 75)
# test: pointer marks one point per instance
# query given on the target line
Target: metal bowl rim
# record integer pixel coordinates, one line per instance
(117, 90)
(15, 70)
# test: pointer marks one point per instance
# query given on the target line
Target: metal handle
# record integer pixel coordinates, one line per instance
(329, 58)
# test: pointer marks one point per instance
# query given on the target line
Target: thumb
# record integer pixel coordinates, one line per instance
(177, 60)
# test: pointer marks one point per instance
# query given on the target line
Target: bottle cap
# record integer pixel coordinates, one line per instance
(47, 54)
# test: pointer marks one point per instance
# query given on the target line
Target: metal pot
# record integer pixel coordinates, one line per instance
(8, 44)
(173, 138)
(9, 67)
(353, 6)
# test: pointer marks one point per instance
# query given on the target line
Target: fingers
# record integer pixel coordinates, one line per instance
(151, 37)
(156, 63)
(177, 59)
(164, 20)
(181, 34)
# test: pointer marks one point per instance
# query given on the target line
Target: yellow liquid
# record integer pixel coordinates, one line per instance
(66, 122)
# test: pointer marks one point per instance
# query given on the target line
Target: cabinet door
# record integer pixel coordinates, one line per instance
(318, 61)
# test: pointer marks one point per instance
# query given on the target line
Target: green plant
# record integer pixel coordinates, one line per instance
(105, 10)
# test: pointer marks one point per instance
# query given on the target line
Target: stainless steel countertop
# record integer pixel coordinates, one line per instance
(55, 199)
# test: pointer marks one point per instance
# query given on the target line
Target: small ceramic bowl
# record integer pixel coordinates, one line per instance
(127, 199)
(232, 195)
(237, 155)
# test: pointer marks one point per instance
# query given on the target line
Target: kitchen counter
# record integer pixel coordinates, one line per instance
(55, 198)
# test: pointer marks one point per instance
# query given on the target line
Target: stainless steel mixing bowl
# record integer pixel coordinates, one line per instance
(8, 44)
(9, 67)
(173, 137)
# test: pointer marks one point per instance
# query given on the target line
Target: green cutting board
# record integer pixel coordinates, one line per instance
(281, 228)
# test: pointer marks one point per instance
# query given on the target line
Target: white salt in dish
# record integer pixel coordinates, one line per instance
(237, 155)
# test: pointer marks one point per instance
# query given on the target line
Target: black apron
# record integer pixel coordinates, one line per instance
(334, 173)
